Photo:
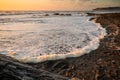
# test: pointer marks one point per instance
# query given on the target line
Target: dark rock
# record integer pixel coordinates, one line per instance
(56, 14)
(11, 69)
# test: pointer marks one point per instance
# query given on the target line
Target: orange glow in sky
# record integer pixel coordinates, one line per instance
(34, 5)
(54, 4)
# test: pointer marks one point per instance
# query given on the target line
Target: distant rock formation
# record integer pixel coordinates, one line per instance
(107, 8)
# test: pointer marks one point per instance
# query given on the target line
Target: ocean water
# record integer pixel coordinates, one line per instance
(40, 36)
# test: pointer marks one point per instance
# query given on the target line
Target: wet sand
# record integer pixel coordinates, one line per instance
(100, 64)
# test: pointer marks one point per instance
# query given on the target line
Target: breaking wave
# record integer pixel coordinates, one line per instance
(48, 38)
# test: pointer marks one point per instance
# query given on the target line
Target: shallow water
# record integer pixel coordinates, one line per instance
(33, 37)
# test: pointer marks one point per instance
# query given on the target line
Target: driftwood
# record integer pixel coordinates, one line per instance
(24, 72)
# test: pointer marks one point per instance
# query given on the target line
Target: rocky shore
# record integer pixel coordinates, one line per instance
(100, 64)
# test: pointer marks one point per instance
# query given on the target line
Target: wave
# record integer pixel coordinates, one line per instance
(57, 38)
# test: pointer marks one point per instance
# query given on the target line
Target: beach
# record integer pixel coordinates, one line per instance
(100, 64)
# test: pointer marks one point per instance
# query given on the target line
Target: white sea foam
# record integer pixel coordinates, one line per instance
(29, 39)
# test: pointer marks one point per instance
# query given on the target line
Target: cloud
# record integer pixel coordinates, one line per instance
(88, 4)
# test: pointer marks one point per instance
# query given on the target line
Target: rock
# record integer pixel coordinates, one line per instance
(18, 70)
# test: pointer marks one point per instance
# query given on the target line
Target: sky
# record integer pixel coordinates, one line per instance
(67, 5)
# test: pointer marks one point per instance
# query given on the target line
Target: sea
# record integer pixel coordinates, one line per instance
(37, 36)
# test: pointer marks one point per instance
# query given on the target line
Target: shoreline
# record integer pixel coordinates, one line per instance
(54, 43)
(102, 63)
